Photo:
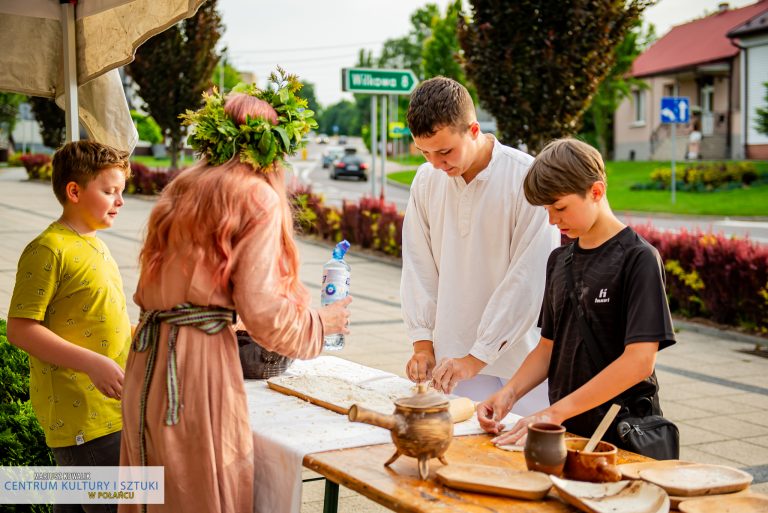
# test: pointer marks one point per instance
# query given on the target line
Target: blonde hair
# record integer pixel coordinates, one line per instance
(81, 162)
(564, 166)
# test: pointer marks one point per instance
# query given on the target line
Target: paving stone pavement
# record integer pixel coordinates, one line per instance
(716, 394)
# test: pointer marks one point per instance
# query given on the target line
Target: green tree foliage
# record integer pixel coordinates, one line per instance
(617, 85)
(147, 128)
(441, 53)
(308, 93)
(343, 114)
(227, 73)
(50, 118)
(536, 68)
(174, 68)
(761, 124)
(9, 113)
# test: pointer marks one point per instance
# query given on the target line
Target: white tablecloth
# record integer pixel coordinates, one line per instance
(285, 429)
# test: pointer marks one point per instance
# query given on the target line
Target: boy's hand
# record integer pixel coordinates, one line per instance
(107, 376)
(419, 367)
(519, 432)
(492, 410)
(447, 375)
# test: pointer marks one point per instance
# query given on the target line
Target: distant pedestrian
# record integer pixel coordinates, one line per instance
(694, 143)
(474, 251)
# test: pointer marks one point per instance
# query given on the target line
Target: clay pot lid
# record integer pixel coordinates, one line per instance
(425, 397)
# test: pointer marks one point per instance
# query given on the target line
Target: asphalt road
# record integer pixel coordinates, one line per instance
(310, 171)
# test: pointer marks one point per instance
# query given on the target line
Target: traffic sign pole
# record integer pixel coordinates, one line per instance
(373, 147)
(383, 145)
(674, 110)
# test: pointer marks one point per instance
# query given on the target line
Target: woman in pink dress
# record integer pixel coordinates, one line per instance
(220, 241)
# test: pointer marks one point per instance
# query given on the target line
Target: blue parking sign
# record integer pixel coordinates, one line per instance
(675, 109)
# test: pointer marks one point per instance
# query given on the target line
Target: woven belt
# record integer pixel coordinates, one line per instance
(209, 320)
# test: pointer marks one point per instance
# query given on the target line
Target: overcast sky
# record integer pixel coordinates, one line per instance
(315, 39)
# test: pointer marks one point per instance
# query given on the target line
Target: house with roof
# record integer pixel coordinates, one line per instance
(707, 61)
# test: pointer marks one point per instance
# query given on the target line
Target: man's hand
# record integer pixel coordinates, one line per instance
(447, 375)
(419, 367)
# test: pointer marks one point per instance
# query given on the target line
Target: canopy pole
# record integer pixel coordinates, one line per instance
(70, 70)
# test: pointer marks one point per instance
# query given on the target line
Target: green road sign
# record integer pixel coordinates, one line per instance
(378, 81)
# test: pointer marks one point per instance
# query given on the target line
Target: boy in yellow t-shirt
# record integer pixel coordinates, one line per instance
(68, 310)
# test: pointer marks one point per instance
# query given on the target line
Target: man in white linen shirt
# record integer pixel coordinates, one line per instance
(474, 252)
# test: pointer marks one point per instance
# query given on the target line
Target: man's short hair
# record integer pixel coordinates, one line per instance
(81, 162)
(565, 166)
(437, 103)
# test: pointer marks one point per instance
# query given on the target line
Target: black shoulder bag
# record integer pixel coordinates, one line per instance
(640, 431)
(257, 362)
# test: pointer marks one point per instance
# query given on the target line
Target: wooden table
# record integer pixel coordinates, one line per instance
(399, 488)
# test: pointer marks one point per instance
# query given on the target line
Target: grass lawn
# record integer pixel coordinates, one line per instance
(623, 174)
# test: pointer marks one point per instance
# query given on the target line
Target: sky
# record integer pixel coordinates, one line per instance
(315, 39)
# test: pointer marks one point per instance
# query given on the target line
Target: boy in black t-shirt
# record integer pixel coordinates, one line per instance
(619, 283)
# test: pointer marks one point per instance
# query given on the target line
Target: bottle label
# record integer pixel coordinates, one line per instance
(335, 286)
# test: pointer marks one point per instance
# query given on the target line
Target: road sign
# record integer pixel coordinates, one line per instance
(378, 81)
(675, 109)
(397, 130)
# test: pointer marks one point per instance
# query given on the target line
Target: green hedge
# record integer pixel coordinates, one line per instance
(22, 441)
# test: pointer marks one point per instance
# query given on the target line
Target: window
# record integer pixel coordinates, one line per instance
(638, 101)
(669, 89)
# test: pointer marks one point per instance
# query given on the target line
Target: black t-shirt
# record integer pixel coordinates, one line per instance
(620, 285)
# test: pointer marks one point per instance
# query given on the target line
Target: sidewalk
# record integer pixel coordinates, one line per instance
(717, 395)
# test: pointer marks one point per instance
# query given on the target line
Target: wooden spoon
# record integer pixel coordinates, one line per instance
(602, 428)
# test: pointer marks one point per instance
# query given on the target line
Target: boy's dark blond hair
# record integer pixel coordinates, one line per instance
(81, 162)
(437, 103)
(565, 166)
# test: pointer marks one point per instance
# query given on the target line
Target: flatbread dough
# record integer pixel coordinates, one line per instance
(337, 392)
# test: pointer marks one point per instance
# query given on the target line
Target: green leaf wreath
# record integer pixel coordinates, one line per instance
(216, 137)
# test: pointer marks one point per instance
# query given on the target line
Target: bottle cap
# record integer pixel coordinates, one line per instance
(340, 250)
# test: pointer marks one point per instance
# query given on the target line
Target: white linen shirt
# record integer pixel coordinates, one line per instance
(474, 263)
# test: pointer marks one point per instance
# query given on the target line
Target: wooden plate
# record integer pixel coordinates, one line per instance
(699, 479)
(726, 504)
(632, 470)
(621, 497)
(520, 484)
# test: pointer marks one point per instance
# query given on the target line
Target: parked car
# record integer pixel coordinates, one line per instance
(342, 139)
(322, 139)
(350, 165)
(331, 155)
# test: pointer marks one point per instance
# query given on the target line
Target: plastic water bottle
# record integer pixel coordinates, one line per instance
(335, 286)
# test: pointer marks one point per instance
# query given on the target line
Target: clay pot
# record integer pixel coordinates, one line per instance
(598, 466)
(421, 426)
(545, 448)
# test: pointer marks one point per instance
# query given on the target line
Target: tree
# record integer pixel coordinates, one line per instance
(761, 124)
(224, 70)
(9, 113)
(53, 127)
(537, 68)
(308, 93)
(174, 68)
(616, 86)
(441, 52)
(344, 115)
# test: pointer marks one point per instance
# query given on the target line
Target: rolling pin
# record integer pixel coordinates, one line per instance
(461, 409)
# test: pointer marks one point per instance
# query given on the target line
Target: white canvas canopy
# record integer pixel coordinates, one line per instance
(70, 50)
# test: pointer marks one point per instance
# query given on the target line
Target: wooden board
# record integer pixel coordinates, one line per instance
(460, 408)
(677, 500)
(756, 503)
(632, 470)
(699, 479)
(509, 482)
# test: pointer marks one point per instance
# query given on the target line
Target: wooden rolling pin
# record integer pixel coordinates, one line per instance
(461, 409)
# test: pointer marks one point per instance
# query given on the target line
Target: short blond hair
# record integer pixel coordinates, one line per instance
(81, 162)
(564, 166)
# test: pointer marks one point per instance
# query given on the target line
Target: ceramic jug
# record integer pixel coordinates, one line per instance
(545, 448)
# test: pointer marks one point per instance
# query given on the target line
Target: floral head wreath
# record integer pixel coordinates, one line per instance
(217, 137)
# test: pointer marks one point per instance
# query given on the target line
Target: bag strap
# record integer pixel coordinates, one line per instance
(586, 332)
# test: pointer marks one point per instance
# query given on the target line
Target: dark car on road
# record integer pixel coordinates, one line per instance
(350, 165)
(331, 155)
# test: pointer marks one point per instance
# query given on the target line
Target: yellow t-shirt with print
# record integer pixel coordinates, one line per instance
(71, 284)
